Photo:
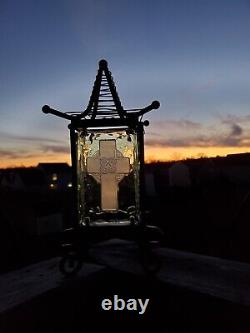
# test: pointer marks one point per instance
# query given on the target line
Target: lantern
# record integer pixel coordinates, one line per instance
(107, 153)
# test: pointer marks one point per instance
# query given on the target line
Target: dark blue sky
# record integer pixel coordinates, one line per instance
(193, 56)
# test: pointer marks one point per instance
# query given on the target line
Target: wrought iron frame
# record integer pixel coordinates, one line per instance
(100, 115)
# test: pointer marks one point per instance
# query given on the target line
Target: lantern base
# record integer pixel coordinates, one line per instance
(102, 223)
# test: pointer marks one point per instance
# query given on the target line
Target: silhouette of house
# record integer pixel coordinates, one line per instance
(25, 179)
(236, 168)
(242, 157)
(58, 175)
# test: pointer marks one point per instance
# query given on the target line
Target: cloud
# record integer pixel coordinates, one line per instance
(41, 150)
(182, 124)
(219, 140)
(231, 131)
(195, 141)
(234, 123)
(14, 137)
(235, 136)
(16, 154)
(185, 133)
(6, 154)
(236, 130)
(55, 149)
(231, 119)
(19, 147)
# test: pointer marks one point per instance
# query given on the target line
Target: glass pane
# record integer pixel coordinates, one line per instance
(108, 177)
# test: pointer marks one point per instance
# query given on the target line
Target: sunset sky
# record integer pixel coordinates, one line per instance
(193, 56)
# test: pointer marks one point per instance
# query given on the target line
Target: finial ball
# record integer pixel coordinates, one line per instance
(46, 109)
(103, 64)
(155, 105)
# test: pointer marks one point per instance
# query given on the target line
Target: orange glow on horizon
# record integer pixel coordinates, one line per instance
(152, 154)
(181, 153)
(33, 161)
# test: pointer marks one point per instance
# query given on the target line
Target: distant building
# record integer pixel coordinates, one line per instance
(54, 176)
(25, 179)
(236, 168)
(242, 157)
(58, 175)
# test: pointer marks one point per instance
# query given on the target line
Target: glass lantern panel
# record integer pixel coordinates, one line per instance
(108, 177)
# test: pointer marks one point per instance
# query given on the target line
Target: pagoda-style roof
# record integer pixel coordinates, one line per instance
(104, 103)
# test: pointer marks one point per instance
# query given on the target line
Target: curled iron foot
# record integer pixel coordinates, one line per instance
(70, 264)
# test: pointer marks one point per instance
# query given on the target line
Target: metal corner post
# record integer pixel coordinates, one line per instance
(140, 131)
(73, 147)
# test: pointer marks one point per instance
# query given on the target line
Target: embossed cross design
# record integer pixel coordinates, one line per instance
(108, 166)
